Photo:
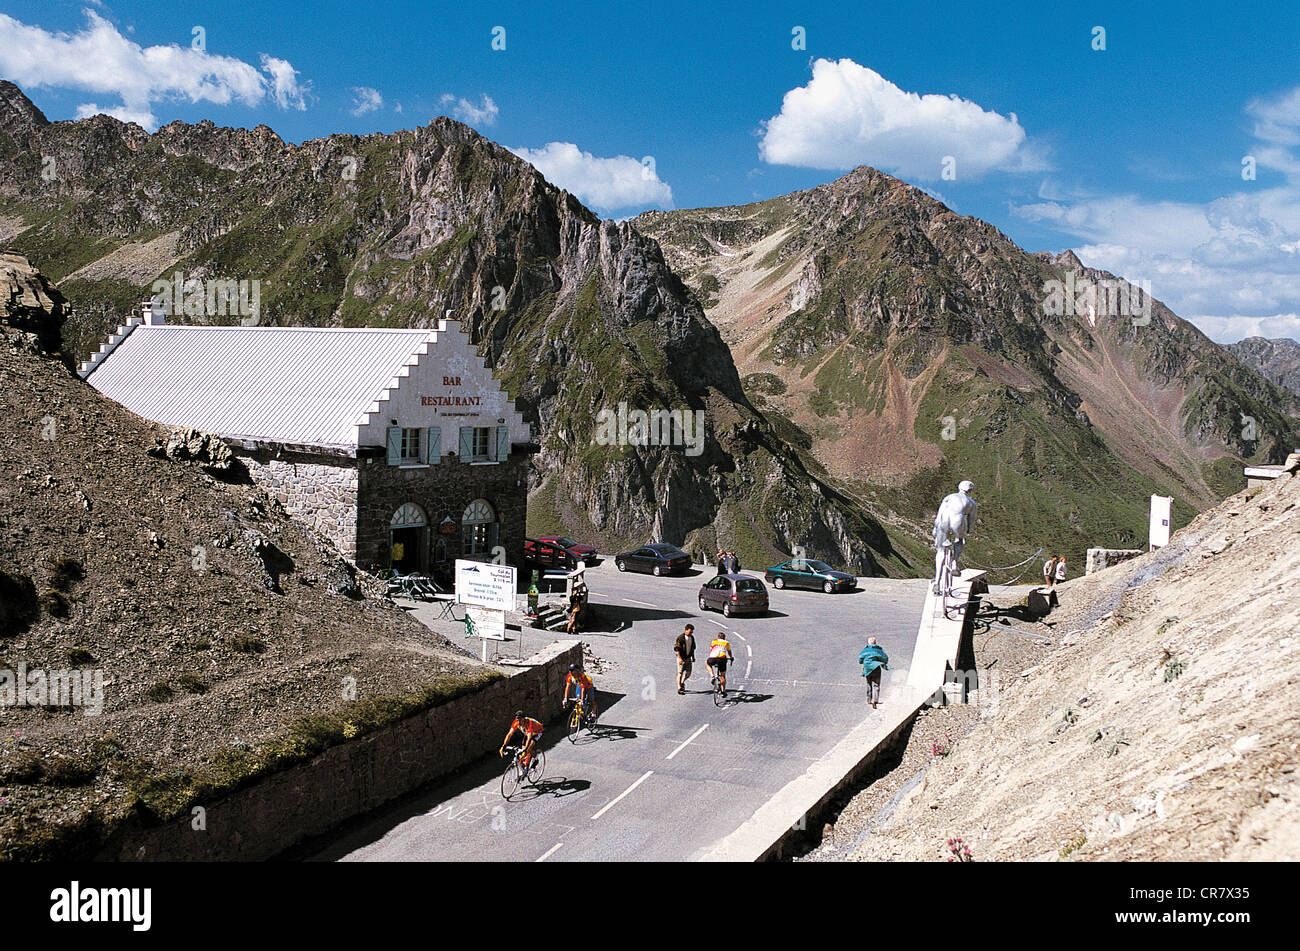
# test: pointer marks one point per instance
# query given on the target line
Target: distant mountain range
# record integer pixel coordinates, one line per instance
(1277, 360)
(857, 348)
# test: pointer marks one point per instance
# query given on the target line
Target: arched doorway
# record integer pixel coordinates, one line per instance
(479, 529)
(407, 532)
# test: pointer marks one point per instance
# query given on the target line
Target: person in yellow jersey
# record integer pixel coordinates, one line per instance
(719, 655)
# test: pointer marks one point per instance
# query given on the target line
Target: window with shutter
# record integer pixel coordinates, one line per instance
(394, 445)
(434, 444)
(503, 443)
(411, 443)
(467, 444)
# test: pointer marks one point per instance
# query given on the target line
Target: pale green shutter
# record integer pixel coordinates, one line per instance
(394, 445)
(466, 444)
(503, 443)
(434, 445)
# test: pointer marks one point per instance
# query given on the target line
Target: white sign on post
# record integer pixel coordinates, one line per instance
(485, 585)
(489, 590)
(1161, 515)
(488, 624)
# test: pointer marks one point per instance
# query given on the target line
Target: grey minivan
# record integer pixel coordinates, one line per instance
(734, 594)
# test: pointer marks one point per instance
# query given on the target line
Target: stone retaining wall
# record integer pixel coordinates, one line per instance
(353, 778)
(320, 494)
(1099, 558)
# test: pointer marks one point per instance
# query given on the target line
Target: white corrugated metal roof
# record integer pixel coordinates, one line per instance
(303, 386)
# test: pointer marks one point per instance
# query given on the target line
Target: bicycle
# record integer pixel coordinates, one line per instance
(579, 717)
(719, 694)
(943, 583)
(516, 773)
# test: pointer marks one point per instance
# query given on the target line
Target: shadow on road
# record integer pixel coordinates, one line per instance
(603, 731)
(744, 696)
(614, 617)
(555, 788)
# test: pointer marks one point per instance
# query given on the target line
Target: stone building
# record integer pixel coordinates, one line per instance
(397, 445)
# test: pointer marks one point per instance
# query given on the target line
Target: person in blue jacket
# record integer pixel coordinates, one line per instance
(873, 660)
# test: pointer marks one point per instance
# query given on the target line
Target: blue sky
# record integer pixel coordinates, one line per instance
(1131, 154)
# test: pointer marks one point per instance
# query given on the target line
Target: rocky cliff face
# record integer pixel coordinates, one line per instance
(912, 346)
(31, 304)
(1277, 360)
(576, 314)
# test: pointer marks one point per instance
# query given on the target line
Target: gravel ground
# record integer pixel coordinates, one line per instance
(1001, 647)
(1157, 723)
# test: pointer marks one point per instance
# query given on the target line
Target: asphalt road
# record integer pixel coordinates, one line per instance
(663, 776)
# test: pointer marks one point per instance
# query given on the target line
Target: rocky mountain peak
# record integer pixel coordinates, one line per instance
(231, 149)
(17, 111)
(1067, 260)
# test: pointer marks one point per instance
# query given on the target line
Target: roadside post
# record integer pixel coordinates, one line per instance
(488, 592)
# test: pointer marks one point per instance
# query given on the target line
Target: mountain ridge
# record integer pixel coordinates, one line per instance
(575, 313)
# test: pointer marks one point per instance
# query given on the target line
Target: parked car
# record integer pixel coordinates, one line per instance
(657, 558)
(559, 551)
(734, 594)
(810, 574)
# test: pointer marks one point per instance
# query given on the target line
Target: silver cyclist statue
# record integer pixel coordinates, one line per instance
(954, 521)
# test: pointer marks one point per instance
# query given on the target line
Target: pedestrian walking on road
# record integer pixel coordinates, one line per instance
(722, 562)
(684, 648)
(873, 660)
(1049, 572)
(1060, 568)
(735, 564)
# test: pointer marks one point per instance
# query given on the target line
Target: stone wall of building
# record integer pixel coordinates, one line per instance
(442, 491)
(355, 777)
(1099, 558)
(319, 491)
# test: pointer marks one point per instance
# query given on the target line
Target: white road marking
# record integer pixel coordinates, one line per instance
(635, 601)
(613, 802)
(748, 667)
(551, 851)
(749, 651)
(741, 636)
(803, 683)
(686, 741)
(720, 624)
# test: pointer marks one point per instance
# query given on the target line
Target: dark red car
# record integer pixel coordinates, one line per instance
(559, 551)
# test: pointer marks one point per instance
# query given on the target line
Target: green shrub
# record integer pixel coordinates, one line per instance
(54, 603)
(69, 770)
(248, 644)
(65, 572)
(26, 769)
(192, 683)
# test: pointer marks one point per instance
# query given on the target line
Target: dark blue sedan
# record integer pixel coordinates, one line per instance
(805, 573)
(658, 559)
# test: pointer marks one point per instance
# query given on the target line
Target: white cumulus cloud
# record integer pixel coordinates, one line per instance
(849, 115)
(1228, 265)
(284, 86)
(603, 183)
(99, 59)
(365, 99)
(485, 113)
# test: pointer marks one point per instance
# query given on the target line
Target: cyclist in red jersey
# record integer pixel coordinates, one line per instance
(530, 729)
